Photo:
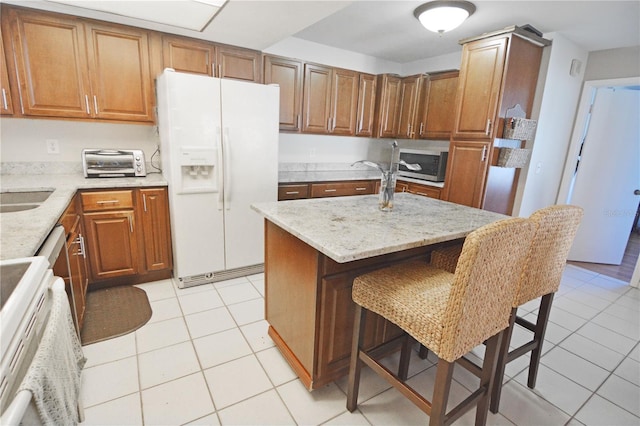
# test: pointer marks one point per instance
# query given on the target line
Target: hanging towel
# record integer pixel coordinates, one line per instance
(54, 375)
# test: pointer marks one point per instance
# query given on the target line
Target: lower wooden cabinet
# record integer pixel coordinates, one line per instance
(467, 169)
(128, 234)
(414, 188)
(338, 189)
(293, 191)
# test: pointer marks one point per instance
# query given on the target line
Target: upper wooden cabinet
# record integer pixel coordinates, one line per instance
(330, 99)
(436, 106)
(68, 67)
(366, 104)
(216, 60)
(6, 104)
(387, 105)
(286, 73)
(408, 104)
(479, 89)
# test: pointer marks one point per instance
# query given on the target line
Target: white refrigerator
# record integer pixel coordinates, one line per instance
(219, 154)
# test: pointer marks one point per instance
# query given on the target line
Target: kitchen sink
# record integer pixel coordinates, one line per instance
(20, 201)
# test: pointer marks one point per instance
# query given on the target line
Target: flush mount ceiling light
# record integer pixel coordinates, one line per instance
(441, 16)
(188, 14)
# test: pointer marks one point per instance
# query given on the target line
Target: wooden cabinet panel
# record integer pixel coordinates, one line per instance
(478, 94)
(111, 243)
(424, 190)
(344, 102)
(153, 206)
(387, 106)
(408, 102)
(122, 89)
(337, 189)
(466, 173)
(293, 191)
(6, 103)
(51, 63)
(239, 64)
(188, 55)
(286, 73)
(366, 105)
(436, 110)
(107, 200)
(316, 107)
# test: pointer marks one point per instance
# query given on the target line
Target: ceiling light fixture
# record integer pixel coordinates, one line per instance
(441, 16)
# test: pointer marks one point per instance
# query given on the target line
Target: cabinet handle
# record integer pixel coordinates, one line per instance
(484, 153)
(298, 122)
(81, 250)
(330, 190)
(130, 223)
(329, 124)
(95, 103)
(421, 129)
(86, 103)
(144, 201)
(220, 70)
(4, 99)
(108, 202)
(361, 189)
(487, 130)
(292, 192)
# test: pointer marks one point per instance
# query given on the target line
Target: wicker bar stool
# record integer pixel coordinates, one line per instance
(450, 313)
(557, 227)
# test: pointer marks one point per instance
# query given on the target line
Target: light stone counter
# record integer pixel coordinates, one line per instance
(352, 228)
(22, 233)
(342, 175)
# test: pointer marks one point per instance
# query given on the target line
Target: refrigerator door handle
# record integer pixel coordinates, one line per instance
(226, 148)
(220, 171)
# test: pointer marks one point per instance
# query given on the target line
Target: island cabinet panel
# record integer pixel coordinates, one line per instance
(478, 95)
(309, 308)
(6, 103)
(288, 74)
(366, 104)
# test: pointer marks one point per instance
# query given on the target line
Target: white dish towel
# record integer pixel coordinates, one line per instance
(54, 375)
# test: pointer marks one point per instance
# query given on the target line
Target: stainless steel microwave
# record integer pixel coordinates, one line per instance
(433, 164)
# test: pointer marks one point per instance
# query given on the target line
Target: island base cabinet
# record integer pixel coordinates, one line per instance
(309, 308)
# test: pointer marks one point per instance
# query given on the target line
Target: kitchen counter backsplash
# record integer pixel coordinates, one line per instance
(317, 172)
(47, 168)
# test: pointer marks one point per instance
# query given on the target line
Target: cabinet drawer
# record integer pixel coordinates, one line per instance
(107, 200)
(424, 190)
(341, 188)
(293, 192)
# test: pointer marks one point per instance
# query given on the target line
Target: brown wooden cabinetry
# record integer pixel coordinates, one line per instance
(70, 67)
(286, 73)
(128, 233)
(293, 191)
(73, 267)
(387, 106)
(6, 104)
(366, 104)
(424, 190)
(408, 103)
(436, 106)
(498, 72)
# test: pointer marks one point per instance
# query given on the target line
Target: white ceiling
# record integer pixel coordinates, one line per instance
(386, 29)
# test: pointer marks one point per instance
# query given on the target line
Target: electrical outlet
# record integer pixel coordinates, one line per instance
(53, 147)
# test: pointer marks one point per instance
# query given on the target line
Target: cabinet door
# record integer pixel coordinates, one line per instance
(344, 102)
(51, 64)
(388, 107)
(6, 105)
(153, 204)
(436, 109)
(466, 173)
(121, 88)
(479, 89)
(366, 104)
(316, 99)
(188, 55)
(238, 64)
(287, 74)
(111, 244)
(409, 89)
(79, 278)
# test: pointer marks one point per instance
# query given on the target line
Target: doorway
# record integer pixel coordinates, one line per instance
(601, 174)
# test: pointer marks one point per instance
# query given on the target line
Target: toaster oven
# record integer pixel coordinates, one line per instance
(113, 163)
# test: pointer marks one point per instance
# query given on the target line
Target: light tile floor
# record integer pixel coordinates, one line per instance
(205, 358)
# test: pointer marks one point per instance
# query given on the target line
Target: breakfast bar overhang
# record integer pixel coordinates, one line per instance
(314, 248)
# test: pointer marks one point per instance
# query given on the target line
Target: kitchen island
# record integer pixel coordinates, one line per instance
(314, 248)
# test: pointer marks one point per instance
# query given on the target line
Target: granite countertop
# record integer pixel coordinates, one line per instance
(22, 233)
(352, 228)
(342, 175)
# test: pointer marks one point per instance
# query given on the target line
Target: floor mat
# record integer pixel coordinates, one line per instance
(113, 312)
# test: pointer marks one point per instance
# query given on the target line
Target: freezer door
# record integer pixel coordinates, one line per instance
(250, 116)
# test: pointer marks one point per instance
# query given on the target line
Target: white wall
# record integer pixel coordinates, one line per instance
(613, 63)
(23, 139)
(555, 108)
(450, 61)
